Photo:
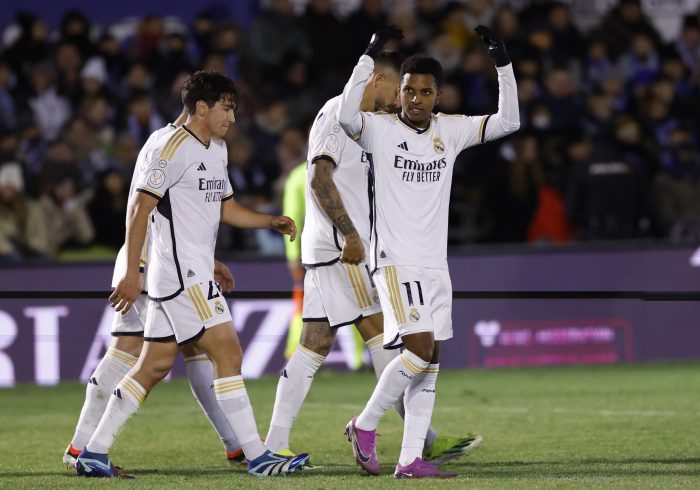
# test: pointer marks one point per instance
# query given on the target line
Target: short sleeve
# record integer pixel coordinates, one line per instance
(373, 126)
(327, 138)
(465, 131)
(161, 170)
(228, 190)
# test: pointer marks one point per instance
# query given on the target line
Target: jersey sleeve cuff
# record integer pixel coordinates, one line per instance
(324, 156)
(227, 196)
(150, 192)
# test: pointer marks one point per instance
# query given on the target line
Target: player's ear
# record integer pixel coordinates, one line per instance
(378, 79)
(437, 97)
(201, 108)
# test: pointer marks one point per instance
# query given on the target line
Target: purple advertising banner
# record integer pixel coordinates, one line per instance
(47, 341)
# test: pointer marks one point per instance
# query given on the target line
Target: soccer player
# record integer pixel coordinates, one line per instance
(185, 192)
(127, 341)
(413, 154)
(338, 289)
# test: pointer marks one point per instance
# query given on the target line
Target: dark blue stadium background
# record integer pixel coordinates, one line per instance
(608, 149)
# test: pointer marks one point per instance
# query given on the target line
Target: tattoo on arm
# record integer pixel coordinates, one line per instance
(328, 196)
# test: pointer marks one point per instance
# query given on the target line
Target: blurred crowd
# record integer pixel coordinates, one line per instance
(608, 147)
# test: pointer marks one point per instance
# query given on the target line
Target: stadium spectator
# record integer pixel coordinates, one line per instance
(23, 228)
(98, 89)
(677, 187)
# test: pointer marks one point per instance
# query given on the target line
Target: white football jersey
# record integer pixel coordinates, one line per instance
(413, 168)
(120, 263)
(321, 242)
(190, 181)
(412, 180)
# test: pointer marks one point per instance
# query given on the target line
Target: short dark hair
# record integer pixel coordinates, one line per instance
(423, 65)
(390, 59)
(209, 86)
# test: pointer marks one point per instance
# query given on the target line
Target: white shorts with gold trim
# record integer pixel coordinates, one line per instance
(340, 294)
(414, 299)
(132, 323)
(185, 317)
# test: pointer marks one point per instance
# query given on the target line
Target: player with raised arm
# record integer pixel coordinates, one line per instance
(413, 154)
(185, 192)
(127, 341)
(338, 288)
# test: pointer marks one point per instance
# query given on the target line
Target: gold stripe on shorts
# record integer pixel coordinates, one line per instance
(204, 302)
(393, 280)
(361, 288)
(385, 271)
(358, 269)
(354, 285)
(195, 302)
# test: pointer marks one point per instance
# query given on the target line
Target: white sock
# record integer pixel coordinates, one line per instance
(127, 398)
(110, 371)
(292, 388)
(381, 358)
(392, 383)
(234, 402)
(420, 399)
(200, 373)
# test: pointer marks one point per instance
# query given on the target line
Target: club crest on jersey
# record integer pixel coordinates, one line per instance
(332, 143)
(438, 145)
(414, 315)
(156, 178)
(218, 307)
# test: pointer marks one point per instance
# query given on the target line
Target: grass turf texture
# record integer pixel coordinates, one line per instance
(595, 427)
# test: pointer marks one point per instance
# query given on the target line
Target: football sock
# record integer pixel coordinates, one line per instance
(234, 402)
(292, 388)
(381, 357)
(111, 369)
(394, 380)
(125, 401)
(419, 399)
(200, 373)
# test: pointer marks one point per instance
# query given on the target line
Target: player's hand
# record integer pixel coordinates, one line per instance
(126, 292)
(284, 225)
(353, 250)
(223, 277)
(380, 38)
(494, 45)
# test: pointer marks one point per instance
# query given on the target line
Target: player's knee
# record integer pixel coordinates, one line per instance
(317, 337)
(154, 373)
(321, 346)
(424, 349)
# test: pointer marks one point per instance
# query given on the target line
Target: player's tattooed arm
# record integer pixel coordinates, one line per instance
(329, 198)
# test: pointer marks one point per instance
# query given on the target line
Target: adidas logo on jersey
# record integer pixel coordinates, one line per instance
(190, 273)
(201, 167)
(382, 255)
(403, 146)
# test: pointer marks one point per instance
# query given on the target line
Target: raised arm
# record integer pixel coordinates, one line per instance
(507, 119)
(349, 115)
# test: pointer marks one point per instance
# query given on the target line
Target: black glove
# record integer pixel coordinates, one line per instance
(380, 38)
(494, 45)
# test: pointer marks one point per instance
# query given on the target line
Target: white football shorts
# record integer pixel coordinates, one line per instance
(185, 317)
(133, 321)
(414, 299)
(340, 294)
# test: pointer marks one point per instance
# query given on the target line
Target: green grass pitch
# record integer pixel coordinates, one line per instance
(594, 427)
